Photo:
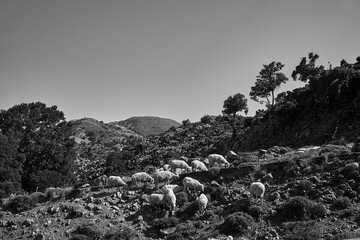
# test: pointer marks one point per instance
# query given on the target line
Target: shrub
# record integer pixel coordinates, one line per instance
(341, 203)
(301, 231)
(183, 231)
(300, 209)
(92, 231)
(181, 198)
(80, 237)
(165, 222)
(256, 211)
(20, 204)
(124, 233)
(205, 119)
(236, 223)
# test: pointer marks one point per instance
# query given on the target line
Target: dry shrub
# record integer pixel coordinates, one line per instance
(20, 204)
(306, 230)
(91, 231)
(237, 223)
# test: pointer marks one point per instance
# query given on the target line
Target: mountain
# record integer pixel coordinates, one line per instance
(147, 125)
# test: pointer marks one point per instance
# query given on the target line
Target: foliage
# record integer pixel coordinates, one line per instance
(121, 163)
(232, 105)
(341, 203)
(20, 204)
(237, 223)
(267, 81)
(11, 166)
(206, 119)
(165, 222)
(44, 138)
(300, 208)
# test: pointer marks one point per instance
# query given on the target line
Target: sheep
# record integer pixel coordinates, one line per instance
(163, 176)
(115, 181)
(257, 189)
(190, 183)
(198, 165)
(170, 198)
(174, 164)
(217, 158)
(202, 201)
(156, 199)
(141, 177)
(176, 188)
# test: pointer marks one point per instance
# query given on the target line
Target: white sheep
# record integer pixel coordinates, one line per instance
(190, 183)
(202, 201)
(176, 188)
(169, 198)
(115, 181)
(156, 199)
(163, 176)
(141, 177)
(198, 165)
(217, 158)
(175, 164)
(257, 189)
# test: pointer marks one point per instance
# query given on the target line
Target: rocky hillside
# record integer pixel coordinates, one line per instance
(147, 126)
(311, 193)
(95, 141)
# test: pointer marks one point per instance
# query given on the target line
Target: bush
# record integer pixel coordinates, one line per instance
(300, 209)
(236, 223)
(205, 119)
(301, 231)
(20, 204)
(256, 211)
(165, 222)
(91, 231)
(183, 231)
(124, 233)
(341, 203)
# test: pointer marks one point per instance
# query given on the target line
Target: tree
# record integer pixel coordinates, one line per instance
(232, 105)
(44, 138)
(306, 70)
(267, 81)
(11, 163)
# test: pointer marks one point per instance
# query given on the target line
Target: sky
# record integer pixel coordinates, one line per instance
(178, 59)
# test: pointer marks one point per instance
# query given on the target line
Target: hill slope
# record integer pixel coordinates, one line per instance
(147, 125)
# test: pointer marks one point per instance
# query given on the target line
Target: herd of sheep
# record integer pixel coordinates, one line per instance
(170, 172)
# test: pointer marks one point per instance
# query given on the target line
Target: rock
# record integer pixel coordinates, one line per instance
(267, 177)
(28, 222)
(40, 236)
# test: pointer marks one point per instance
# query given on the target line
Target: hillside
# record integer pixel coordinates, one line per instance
(147, 126)
(307, 189)
(95, 141)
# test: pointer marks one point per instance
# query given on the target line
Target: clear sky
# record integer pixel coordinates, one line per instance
(177, 59)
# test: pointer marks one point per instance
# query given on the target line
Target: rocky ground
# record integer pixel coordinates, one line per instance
(311, 193)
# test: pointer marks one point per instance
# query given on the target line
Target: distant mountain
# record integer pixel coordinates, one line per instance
(148, 126)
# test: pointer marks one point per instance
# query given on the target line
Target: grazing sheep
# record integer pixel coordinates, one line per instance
(163, 176)
(174, 164)
(190, 183)
(176, 188)
(141, 177)
(217, 158)
(156, 199)
(202, 201)
(198, 165)
(257, 189)
(169, 198)
(115, 181)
